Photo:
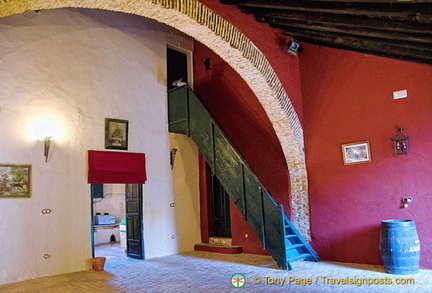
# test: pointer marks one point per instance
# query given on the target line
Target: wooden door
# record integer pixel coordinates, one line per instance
(221, 210)
(134, 215)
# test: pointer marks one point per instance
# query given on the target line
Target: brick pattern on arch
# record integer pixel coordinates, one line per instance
(199, 22)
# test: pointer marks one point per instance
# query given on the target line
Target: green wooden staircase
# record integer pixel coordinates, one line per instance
(267, 218)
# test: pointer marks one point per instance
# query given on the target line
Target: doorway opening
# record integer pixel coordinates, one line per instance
(216, 232)
(117, 220)
(221, 210)
(179, 67)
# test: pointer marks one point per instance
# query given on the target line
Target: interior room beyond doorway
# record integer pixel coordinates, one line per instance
(109, 218)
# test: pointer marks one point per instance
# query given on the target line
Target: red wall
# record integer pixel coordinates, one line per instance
(348, 98)
(243, 235)
(240, 115)
(271, 42)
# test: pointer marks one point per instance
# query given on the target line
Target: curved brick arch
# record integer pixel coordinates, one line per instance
(199, 22)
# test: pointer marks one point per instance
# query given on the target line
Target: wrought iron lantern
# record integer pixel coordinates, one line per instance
(401, 143)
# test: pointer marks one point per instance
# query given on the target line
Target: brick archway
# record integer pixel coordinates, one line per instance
(199, 22)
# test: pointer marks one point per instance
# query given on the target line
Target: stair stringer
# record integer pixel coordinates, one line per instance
(268, 220)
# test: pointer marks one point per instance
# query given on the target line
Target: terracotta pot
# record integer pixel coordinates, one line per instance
(98, 263)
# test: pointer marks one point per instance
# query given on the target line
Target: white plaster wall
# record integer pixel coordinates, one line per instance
(113, 201)
(186, 192)
(76, 67)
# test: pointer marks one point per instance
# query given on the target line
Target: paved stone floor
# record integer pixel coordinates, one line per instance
(212, 272)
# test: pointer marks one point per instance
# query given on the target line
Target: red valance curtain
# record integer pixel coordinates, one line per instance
(116, 167)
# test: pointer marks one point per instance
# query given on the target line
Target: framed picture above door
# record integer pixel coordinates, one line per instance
(116, 134)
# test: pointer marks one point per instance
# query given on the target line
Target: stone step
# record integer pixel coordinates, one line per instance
(220, 248)
(220, 240)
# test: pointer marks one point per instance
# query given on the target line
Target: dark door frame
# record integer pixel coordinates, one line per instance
(92, 196)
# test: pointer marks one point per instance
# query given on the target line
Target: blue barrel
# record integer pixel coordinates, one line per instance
(400, 247)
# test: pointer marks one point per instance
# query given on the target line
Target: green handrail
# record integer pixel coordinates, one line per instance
(268, 220)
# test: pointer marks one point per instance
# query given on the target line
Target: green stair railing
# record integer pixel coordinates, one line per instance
(268, 220)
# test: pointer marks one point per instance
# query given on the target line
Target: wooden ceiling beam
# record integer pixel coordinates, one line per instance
(389, 28)
(376, 1)
(395, 50)
(402, 10)
(354, 21)
(336, 28)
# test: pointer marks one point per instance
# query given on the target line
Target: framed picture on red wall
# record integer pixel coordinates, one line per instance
(357, 152)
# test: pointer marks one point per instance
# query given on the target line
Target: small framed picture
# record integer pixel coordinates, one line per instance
(354, 153)
(15, 180)
(116, 134)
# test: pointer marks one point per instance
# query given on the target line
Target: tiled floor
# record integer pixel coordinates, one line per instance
(210, 272)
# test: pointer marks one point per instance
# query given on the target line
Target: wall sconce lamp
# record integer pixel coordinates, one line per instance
(401, 143)
(294, 46)
(44, 129)
(179, 82)
(47, 144)
(172, 157)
